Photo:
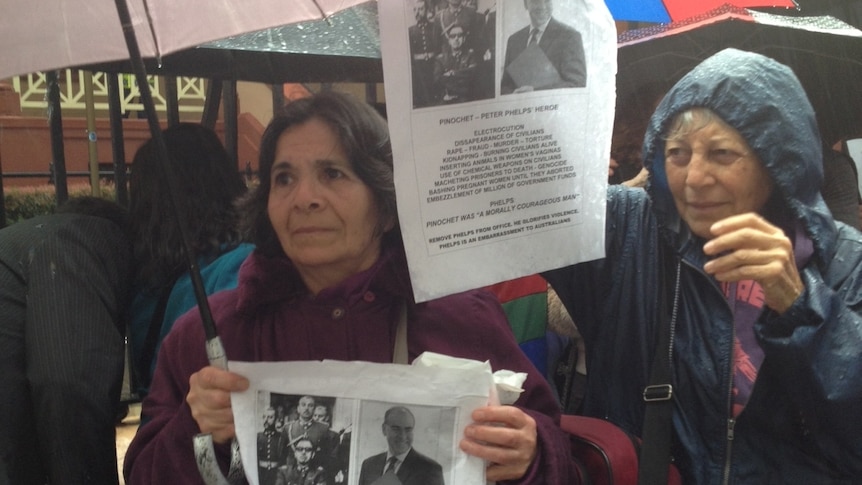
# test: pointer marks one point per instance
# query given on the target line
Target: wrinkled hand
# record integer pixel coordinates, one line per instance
(209, 400)
(505, 436)
(747, 247)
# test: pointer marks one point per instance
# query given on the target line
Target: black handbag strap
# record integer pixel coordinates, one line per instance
(399, 350)
(654, 459)
(151, 341)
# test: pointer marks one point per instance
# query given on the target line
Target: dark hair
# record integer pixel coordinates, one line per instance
(630, 124)
(363, 135)
(96, 207)
(209, 184)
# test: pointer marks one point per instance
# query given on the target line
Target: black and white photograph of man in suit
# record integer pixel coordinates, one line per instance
(547, 53)
(409, 447)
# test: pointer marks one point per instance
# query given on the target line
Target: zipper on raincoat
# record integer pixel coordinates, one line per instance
(731, 420)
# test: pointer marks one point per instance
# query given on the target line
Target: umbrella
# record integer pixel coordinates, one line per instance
(847, 10)
(824, 52)
(663, 11)
(345, 48)
(51, 34)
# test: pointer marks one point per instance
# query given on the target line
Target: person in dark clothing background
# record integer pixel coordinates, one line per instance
(210, 184)
(64, 287)
(840, 187)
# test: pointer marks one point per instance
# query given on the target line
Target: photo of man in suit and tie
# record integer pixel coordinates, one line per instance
(546, 54)
(400, 463)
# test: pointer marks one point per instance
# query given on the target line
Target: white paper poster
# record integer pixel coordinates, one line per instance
(854, 148)
(501, 141)
(350, 443)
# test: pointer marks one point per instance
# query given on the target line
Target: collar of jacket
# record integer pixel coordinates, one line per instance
(266, 280)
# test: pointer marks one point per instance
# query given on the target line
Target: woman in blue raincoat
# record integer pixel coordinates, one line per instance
(766, 326)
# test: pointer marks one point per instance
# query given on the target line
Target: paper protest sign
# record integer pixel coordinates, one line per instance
(497, 179)
(356, 397)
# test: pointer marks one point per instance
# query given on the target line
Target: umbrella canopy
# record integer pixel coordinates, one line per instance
(344, 48)
(51, 34)
(824, 52)
(664, 11)
(849, 11)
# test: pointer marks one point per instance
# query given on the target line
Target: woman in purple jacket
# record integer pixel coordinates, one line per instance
(327, 281)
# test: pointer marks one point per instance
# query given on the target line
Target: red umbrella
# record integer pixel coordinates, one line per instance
(824, 53)
(663, 11)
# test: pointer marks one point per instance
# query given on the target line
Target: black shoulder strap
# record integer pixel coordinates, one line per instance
(148, 349)
(399, 351)
(655, 442)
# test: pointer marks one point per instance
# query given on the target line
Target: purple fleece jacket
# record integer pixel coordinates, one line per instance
(270, 317)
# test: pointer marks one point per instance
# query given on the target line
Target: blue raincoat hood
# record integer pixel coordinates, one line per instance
(763, 100)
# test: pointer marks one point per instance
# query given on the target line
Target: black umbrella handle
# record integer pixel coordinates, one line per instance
(174, 195)
(203, 443)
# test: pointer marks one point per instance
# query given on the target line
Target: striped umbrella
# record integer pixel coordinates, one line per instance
(664, 11)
